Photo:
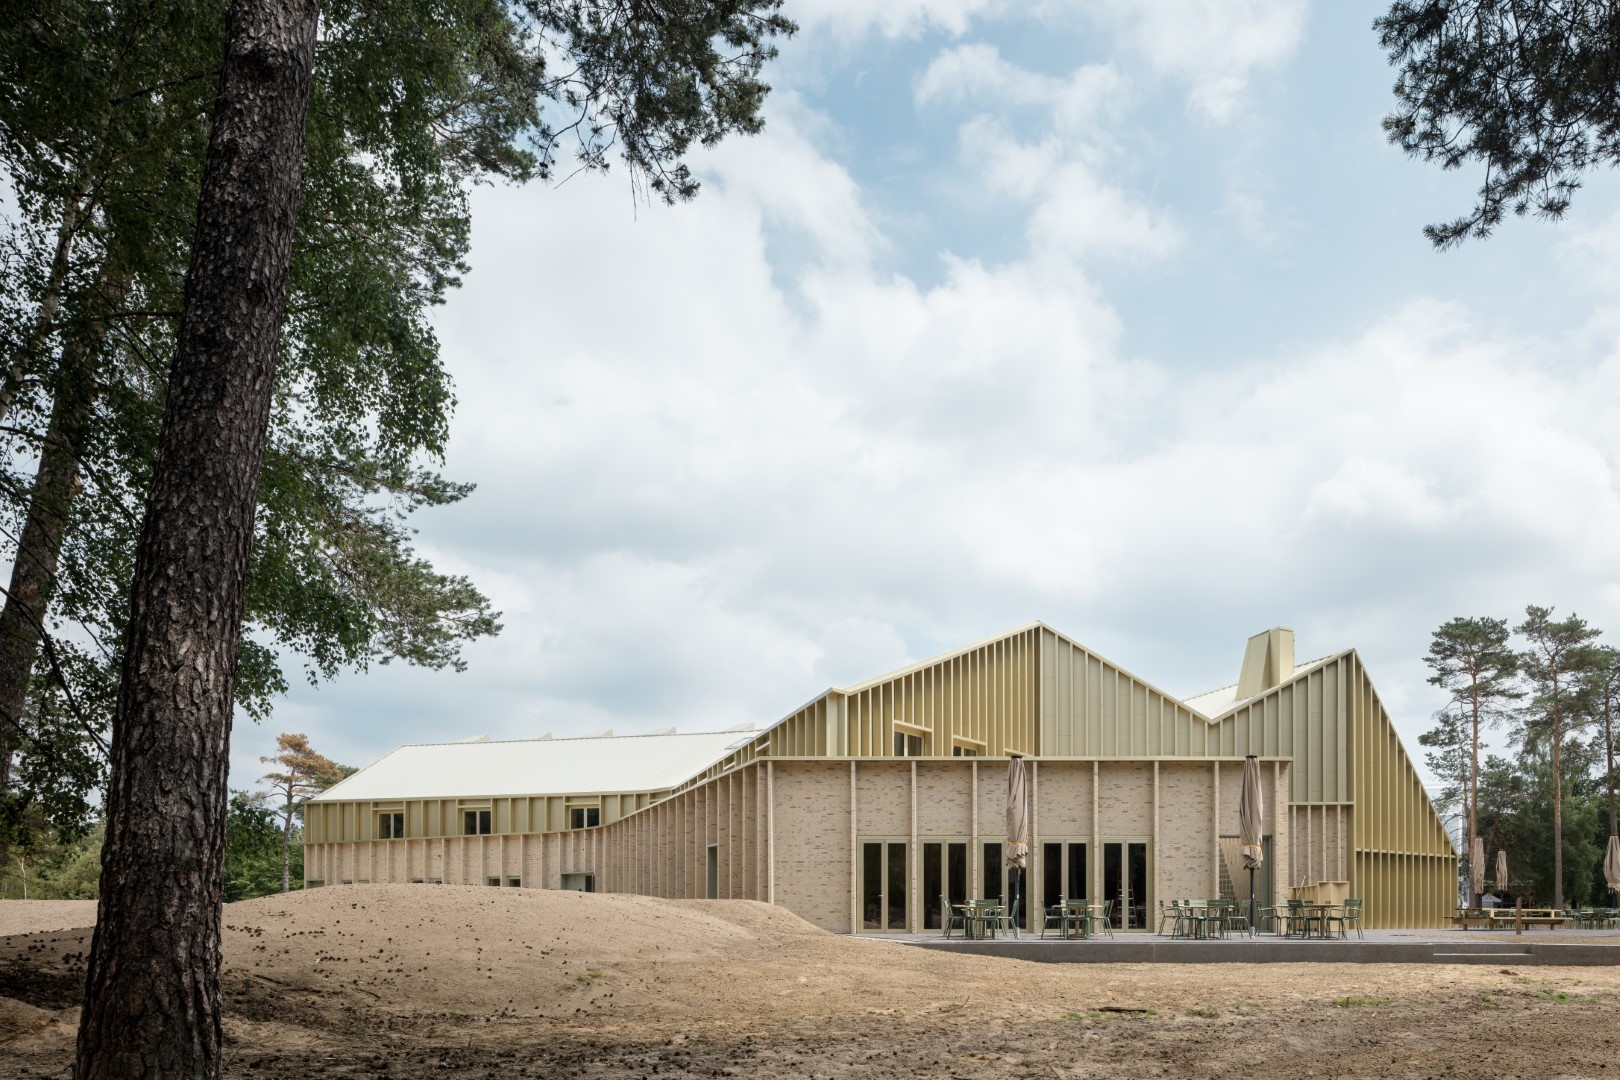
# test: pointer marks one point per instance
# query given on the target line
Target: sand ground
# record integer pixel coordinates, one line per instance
(400, 981)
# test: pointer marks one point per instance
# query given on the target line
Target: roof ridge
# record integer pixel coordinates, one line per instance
(572, 738)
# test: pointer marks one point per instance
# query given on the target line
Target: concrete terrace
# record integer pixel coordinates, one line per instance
(1534, 947)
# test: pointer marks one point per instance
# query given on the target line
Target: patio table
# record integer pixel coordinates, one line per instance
(980, 920)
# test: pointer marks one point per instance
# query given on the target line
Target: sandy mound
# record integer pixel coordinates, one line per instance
(452, 952)
(39, 916)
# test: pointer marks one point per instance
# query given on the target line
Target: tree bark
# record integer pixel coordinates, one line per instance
(50, 300)
(57, 482)
(1473, 796)
(1608, 747)
(1558, 800)
(152, 989)
(39, 546)
(286, 847)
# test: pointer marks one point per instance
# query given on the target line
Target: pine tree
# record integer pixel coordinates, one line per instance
(1471, 659)
(651, 81)
(1560, 654)
(1525, 90)
(303, 774)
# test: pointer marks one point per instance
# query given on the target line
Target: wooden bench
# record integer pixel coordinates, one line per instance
(1503, 918)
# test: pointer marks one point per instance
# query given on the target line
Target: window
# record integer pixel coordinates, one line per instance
(963, 751)
(514, 883)
(391, 825)
(907, 745)
(475, 822)
(492, 881)
(584, 817)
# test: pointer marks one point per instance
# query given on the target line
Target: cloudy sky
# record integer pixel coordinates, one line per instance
(1111, 313)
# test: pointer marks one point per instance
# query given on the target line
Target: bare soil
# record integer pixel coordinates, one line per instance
(403, 981)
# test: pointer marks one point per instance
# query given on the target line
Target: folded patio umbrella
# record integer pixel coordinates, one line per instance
(1017, 833)
(1611, 864)
(1251, 815)
(1476, 870)
(1501, 869)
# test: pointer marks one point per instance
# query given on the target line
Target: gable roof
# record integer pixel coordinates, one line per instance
(1216, 703)
(591, 765)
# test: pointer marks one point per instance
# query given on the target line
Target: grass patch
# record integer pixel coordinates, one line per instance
(1556, 995)
(1359, 1002)
(588, 976)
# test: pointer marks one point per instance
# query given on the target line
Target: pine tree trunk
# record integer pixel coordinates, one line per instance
(1558, 804)
(1608, 747)
(1473, 801)
(39, 547)
(286, 848)
(152, 990)
(50, 300)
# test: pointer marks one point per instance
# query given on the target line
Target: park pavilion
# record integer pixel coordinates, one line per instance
(874, 806)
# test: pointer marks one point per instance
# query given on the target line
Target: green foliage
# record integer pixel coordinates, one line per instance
(1450, 755)
(1524, 90)
(59, 869)
(104, 116)
(253, 850)
(1516, 814)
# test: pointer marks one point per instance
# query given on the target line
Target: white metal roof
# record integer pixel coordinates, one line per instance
(592, 765)
(1214, 703)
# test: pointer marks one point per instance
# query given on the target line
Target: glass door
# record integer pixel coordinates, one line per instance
(1125, 882)
(883, 885)
(944, 879)
(996, 884)
(1063, 871)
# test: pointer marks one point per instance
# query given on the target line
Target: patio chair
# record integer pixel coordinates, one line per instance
(1300, 919)
(1053, 916)
(1266, 919)
(1166, 914)
(1105, 920)
(955, 917)
(1346, 917)
(1235, 917)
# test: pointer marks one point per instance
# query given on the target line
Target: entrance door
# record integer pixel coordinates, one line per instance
(944, 880)
(1125, 882)
(883, 885)
(998, 884)
(712, 877)
(1063, 871)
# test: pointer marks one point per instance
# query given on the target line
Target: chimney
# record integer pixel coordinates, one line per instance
(1267, 661)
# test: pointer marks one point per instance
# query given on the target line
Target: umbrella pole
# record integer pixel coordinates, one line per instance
(1252, 923)
(1015, 877)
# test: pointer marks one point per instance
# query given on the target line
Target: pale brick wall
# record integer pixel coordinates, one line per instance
(662, 851)
(1185, 852)
(1065, 799)
(943, 801)
(812, 837)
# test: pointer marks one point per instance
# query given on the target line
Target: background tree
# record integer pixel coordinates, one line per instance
(1525, 91)
(1560, 654)
(649, 81)
(1472, 660)
(1516, 814)
(1604, 677)
(303, 774)
(254, 848)
(360, 394)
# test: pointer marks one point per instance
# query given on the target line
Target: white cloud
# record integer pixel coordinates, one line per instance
(979, 75)
(851, 19)
(710, 486)
(1213, 45)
